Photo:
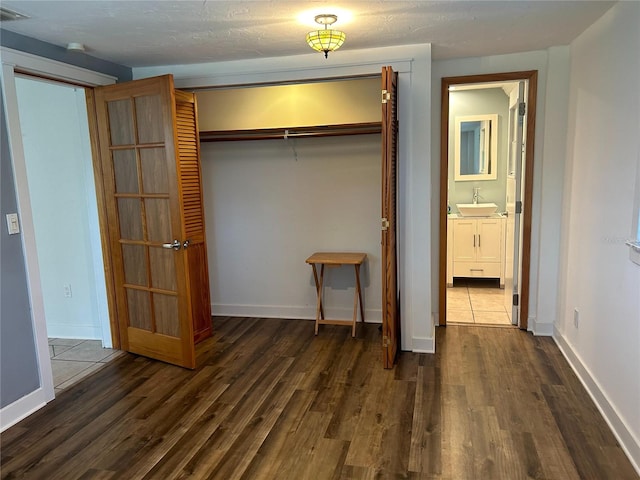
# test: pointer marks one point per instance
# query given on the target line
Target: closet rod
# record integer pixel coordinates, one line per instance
(292, 132)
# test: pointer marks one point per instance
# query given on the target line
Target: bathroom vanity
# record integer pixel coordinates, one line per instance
(475, 247)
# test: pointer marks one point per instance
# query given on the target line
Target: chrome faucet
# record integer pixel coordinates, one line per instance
(476, 195)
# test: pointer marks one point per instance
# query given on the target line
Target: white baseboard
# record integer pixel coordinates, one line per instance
(628, 442)
(291, 311)
(540, 329)
(423, 345)
(22, 408)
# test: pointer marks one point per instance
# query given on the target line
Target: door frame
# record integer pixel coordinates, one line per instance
(17, 62)
(532, 77)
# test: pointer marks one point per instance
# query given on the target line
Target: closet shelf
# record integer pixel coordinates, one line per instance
(292, 132)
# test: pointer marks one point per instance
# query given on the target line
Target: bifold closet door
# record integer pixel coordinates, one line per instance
(139, 155)
(390, 294)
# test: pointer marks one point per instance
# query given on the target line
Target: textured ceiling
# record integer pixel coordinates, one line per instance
(144, 33)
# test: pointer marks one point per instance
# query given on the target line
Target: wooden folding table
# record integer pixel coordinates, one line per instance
(335, 259)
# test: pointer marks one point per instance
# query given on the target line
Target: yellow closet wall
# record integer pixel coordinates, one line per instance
(307, 104)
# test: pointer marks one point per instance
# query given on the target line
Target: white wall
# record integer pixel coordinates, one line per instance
(598, 278)
(63, 200)
(272, 203)
(413, 63)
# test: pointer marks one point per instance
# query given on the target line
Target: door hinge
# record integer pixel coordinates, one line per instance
(386, 342)
(519, 206)
(516, 299)
(385, 224)
(522, 109)
(386, 96)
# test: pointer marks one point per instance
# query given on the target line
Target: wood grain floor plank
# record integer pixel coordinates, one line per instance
(302, 445)
(93, 474)
(63, 432)
(270, 400)
(457, 445)
(396, 419)
(365, 446)
(175, 462)
(351, 472)
(162, 441)
(65, 412)
(346, 415)
(426, 430)
(148, 434)
(247, 407)
(529, 456)
(278, 445)
(245, 442)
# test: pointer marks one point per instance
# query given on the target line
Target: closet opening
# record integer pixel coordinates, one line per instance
(289, 170)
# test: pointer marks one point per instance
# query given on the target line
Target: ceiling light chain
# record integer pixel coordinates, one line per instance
(326, 40)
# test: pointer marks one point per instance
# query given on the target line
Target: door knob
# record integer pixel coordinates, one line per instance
(175, 245)
(186, 243)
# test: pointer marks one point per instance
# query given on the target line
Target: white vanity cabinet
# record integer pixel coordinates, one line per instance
(475, 247)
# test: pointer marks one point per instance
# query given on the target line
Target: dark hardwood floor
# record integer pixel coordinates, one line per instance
(272, 401)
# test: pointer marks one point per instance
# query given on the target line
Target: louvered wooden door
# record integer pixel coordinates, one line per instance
(191, 207)
(149, 157)
(390, 301)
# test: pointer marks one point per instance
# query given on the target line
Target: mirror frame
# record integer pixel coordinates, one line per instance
(493, 148)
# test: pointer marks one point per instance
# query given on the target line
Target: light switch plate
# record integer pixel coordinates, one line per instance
(13, 226)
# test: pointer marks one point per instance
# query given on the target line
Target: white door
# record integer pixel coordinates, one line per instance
(515, 172)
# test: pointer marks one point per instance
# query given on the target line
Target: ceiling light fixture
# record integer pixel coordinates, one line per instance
(326, 40)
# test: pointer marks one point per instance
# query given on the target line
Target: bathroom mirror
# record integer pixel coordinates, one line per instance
(476, 147)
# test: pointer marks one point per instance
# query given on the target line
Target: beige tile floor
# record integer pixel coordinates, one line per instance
(476, 301)
(72, 360)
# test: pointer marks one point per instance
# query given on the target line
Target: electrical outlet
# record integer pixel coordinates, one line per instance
(576, 317)
(67, 290)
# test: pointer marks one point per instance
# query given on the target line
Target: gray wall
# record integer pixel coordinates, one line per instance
(18, 361)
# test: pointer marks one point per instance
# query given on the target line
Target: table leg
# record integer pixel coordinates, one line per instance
(315, 278)
(355, 310)
(318, 288)
(319, 311)
(320, 291)
(359, 291)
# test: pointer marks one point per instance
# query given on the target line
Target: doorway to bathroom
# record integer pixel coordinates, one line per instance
(60, 190)
(486, 188)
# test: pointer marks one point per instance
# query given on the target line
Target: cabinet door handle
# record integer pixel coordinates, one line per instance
(478, 240)
(474, 240)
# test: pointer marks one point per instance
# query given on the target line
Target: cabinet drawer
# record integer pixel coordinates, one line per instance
(481, 269)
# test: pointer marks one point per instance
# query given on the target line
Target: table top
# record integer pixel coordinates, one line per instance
(337, 258)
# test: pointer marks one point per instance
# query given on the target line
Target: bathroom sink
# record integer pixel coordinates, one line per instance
(476, 209)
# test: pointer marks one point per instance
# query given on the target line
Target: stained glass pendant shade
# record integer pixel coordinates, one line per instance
(326, 40)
